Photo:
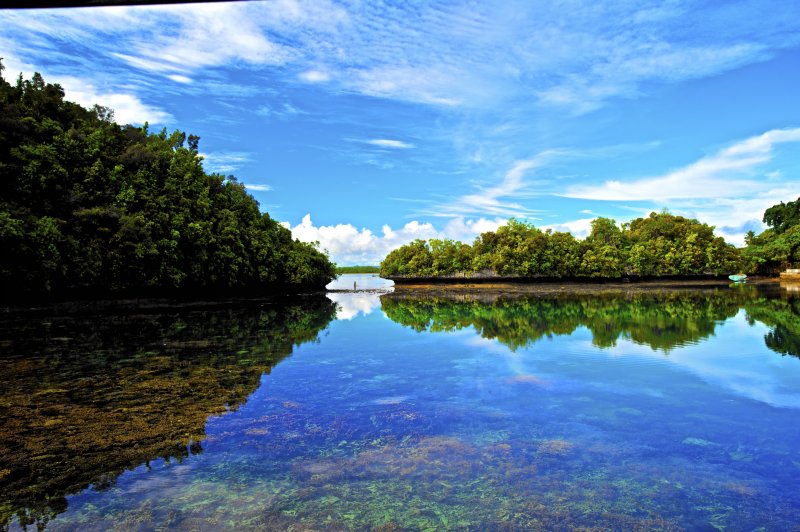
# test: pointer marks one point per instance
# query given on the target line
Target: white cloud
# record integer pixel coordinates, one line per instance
(314, 76)
(128, 108)
(179, 78)
(350, 306)
(389, 143)
(710, 177)
(348, 245)
(257, 187)
(733, 217)
(280, 111)
(466, 230)
(493, 200)
(429, 85)
(226, 163)
(579, 228)
(445, 55)
(205, 36)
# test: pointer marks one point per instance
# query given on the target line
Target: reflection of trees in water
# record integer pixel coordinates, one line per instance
(661, 320)
(783, 315)
(87, 397)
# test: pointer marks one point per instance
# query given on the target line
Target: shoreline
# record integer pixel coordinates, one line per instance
(438, 289)
(571, 287)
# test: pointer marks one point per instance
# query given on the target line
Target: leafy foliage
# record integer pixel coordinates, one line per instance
(778, 247)
(91, 206)
(661, 244)
(357, 269)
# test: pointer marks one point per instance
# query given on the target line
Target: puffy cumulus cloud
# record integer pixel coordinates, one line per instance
(351, 305)
(579, 228)
(348, 245)
(466, 230)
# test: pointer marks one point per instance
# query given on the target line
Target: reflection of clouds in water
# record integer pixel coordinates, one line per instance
(363, 281)
(734, 359)
(353, 304)
(741, 364)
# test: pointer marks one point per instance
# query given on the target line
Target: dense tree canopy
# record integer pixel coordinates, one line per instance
(778, 247)
(661, 244)
(89, 206)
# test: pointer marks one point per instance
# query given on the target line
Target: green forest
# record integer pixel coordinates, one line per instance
(90, 207)
(357, 269)
(661, 244)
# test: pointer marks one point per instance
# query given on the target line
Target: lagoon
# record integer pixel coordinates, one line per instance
(663, 409)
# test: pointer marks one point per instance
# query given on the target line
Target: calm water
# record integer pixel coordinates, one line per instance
(668, 410)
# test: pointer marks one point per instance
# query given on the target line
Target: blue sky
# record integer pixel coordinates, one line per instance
(365, 124)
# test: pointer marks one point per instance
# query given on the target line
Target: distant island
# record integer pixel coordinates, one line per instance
(91, 208)
(358, 269)
(660, 245)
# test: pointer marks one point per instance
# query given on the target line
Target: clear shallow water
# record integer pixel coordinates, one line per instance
(621, 411)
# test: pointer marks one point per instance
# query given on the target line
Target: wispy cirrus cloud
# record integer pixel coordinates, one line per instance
(258, 187)
(225, 162)
(710, 177)
(500, 199)
(441, 54)
(390, 143)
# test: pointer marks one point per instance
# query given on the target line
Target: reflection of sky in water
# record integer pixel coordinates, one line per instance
(354, 304)
(380, 424)
(363, 281)
(734, 360)
(739, 362)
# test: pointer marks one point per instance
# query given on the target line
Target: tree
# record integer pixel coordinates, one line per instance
(782, 216)
(661, 244)
(92, 207)
(778, 247)
(603, 254)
